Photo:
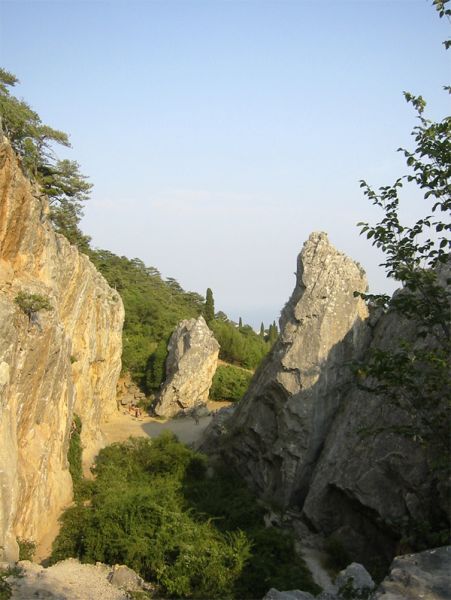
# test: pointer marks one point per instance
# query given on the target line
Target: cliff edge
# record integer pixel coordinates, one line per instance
(53, 363)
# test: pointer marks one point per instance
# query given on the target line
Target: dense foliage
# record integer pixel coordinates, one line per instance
(230, 383)
(33, 142)
(154, 508)
(154, 307)
(239, 345)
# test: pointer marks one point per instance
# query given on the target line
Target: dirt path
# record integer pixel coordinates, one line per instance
(123, 425)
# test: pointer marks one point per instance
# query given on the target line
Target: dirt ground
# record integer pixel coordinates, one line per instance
(123, 425)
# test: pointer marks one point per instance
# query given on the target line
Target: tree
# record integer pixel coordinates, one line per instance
(209, 309)
(32, 140)
(272, 333)
(262, 331)
(240, 323)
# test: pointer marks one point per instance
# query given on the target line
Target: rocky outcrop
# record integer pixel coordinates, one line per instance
(423, 575)
(53, 363)
(71, 580)
(281, 425)
(309, 437)
(190, 366)
(372, 481)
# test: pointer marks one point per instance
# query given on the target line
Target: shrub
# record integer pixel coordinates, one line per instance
(229, 383)
(32, 303)
(74, 456)
(154, 509)
(27, 548)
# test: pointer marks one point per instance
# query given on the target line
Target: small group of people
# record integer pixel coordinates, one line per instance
(134, 410)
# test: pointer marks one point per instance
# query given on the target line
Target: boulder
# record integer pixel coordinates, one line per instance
(355, 579)
(125, 578)
(190, 366)
(425, 575)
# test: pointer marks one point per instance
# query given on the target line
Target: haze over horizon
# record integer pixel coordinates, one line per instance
(219, 134)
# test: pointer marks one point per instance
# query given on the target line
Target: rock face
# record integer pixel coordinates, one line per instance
(190, 366)
(58, 362)
(373, 482)
(308, 438)
(424, 575)
(280, 427)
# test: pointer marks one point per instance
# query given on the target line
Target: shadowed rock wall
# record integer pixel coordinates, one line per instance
(309, 438)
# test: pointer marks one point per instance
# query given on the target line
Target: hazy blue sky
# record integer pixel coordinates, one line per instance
(219, 134)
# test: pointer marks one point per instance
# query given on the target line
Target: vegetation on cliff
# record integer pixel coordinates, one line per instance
(155, 507)
(415, 375)
(33, 141)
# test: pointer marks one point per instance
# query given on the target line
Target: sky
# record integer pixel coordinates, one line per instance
(219, 134)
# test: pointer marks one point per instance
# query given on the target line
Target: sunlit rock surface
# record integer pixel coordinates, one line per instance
(65, 360)
(190, 367)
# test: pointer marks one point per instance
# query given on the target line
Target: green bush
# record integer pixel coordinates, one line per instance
(82, 487)
(32, 303)
(154, 508)
(239, 345)
(27, 548)
(5, 587)
(230, 383)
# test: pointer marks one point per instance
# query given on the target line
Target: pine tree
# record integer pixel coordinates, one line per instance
(209, 308)
(262, 330)
(240, 322)
(272, 333)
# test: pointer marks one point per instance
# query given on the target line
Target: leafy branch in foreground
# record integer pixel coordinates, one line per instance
(414, 374)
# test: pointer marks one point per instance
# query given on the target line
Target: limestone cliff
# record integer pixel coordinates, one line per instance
(308, 438)
(190, 366)
(62, 361)
(280, 426)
